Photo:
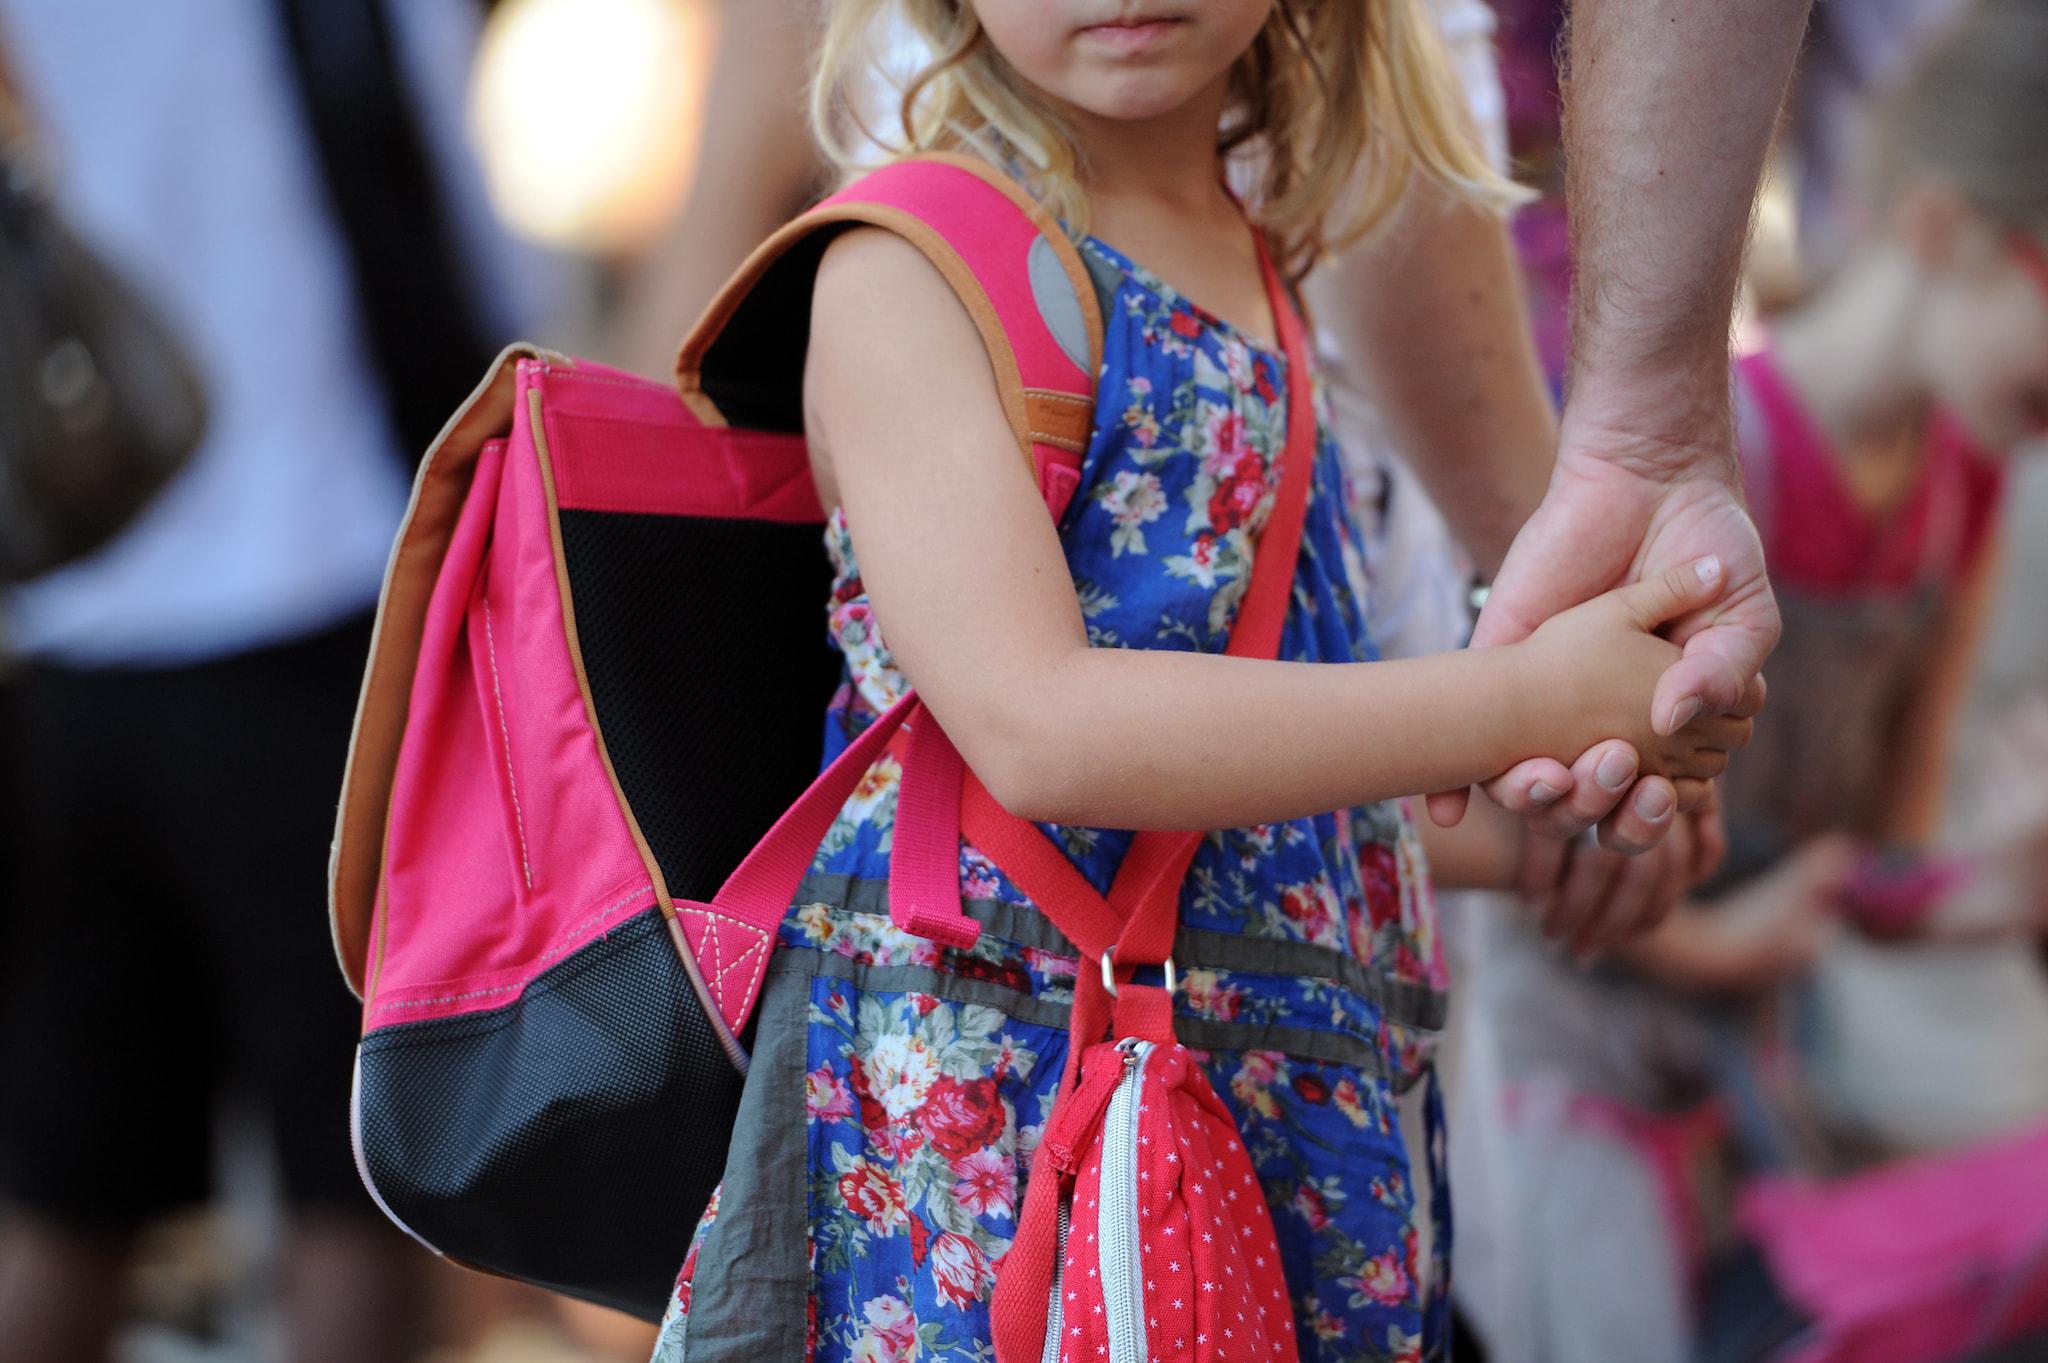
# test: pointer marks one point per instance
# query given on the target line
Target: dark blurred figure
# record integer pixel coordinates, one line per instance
(285, 179)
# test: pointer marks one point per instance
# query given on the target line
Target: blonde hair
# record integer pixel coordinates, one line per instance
(1974, 111)
(1334, 107)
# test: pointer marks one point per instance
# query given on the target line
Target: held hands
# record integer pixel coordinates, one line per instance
(1591, 671)
(1593, 896)
(1624, 507)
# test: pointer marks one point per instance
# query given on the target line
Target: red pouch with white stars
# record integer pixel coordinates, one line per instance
(1163, 1250)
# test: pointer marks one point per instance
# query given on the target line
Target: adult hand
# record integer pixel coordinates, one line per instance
(1777, 926)
(1618, 509)
(1590, 897)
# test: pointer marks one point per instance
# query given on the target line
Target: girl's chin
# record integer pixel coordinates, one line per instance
(1136, 97)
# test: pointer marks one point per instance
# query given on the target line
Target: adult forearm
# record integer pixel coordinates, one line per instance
(1669, 110)
(1680, 952)
(1484, 852)
(1430, 317)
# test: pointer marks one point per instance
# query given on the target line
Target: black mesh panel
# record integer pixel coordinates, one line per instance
(706, 649)
(754, 370)
(571, 1139)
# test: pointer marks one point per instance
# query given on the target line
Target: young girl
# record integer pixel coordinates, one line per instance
(898, 1088)
(1873, 429)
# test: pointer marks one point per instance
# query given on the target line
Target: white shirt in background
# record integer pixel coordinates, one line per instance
(180, 152)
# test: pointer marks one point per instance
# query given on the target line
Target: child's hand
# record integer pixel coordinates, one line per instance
(1770, 931)
(1592, 671)
(1777, 926)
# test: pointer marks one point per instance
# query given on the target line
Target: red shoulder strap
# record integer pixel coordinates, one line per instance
(1135, 924)
(1137, 920)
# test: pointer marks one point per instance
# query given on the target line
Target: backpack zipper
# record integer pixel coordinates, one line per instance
(1117, 1215)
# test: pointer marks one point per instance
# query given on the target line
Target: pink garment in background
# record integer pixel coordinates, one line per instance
(1920, 1260)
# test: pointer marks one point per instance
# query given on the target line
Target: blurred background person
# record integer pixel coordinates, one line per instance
(1854, 49)
(288, 182)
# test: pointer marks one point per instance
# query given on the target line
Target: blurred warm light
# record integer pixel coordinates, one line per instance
(587, 114)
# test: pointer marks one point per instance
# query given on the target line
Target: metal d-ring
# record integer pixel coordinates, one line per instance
(1109, 974)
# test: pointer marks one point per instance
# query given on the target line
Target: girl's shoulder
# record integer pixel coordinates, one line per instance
(863, 260)
(873, 288)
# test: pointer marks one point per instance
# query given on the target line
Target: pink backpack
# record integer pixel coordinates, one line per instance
(598, 676)
(598, 679)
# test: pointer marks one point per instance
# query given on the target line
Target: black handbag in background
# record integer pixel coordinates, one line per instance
(99, 405)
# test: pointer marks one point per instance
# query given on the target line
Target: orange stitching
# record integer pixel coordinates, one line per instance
(505, 731)
(561, 939)
(452, 998)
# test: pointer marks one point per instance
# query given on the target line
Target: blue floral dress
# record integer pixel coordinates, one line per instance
(898, 1087)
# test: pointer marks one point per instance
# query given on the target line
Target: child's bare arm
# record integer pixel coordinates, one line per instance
(971, 590)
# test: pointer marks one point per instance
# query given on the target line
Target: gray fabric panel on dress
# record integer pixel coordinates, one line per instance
(753, 1271)
(1404, 1003)
(1209, 1034)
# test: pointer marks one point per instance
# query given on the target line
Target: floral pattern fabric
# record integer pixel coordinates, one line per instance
(923, 1101)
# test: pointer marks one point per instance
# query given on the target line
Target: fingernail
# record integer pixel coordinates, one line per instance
(1654, 801)
(1616, 770)
(1684, 713)
(1709, 568)
(1541, 795)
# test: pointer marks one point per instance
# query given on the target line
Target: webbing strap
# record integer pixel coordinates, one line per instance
(759, 890)
(924, 851)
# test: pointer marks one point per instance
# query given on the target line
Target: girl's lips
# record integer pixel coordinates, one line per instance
(1132, 37)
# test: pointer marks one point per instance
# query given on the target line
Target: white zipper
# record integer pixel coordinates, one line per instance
(1056, 1308)
(1123, 1275)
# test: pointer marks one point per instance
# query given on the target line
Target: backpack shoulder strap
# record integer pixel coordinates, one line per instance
(1013, 268)
(1031, 298)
